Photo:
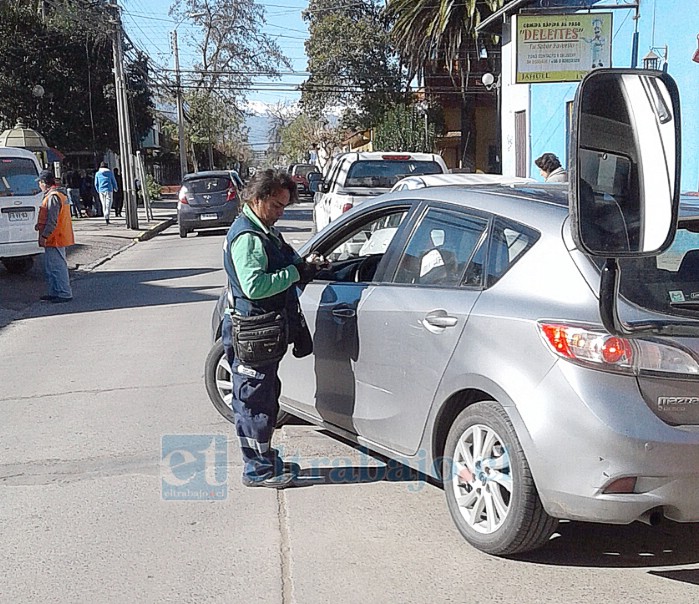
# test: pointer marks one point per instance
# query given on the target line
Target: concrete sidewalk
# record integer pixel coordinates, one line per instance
(96, 241)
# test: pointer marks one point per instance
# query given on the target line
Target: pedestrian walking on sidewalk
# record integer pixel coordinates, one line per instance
(262, 271)
(118, 193)
(105, 184)
(72, 182)
(55, 234)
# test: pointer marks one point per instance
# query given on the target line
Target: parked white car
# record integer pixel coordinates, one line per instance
(20, 198)
(436, 180)
(356, 177)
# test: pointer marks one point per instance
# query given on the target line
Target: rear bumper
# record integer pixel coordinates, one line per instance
(200, 218)
(18, 249)
(588, 429)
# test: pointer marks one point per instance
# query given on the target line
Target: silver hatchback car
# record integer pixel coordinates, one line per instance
(461, 331)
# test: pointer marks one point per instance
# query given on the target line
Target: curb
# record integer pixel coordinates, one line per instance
(145, 236)
(158, 228)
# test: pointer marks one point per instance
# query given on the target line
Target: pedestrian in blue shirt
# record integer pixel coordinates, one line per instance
(106, 185)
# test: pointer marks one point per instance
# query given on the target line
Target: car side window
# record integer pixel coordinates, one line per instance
(332, 178)
(356, 256)
(440, 248)
(508, 243)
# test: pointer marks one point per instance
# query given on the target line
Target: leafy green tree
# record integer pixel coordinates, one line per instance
(305, 133)
(351, 61)
(405, 128)
(232, 50)
(69, 55)
(436, 36)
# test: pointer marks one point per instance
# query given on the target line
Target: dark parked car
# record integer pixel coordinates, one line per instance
(207, 200)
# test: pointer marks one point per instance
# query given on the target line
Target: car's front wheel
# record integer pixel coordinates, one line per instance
(217, 377)
(488, 484)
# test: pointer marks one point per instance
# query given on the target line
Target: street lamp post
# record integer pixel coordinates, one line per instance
(490, 82)
(653, 61)
(180, 108)
(423, 108)
(180, 100)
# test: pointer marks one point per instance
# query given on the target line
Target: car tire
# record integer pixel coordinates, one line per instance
(183, 232)
(490, 492)
(217, 378)
(18, 265)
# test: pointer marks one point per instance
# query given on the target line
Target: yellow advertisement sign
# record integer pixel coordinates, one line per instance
(562, 48)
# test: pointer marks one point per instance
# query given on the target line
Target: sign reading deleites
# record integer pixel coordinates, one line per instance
(562, 48)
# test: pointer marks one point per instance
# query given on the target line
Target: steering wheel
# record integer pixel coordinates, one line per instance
(367, 268)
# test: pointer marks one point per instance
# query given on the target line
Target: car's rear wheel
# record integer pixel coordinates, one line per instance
(217, 377)
(183, 232)
(19, 265)
(488, 484)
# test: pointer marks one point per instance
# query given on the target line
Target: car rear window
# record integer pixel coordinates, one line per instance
(214, 184)
(386, 173)
(668, 282)
(303, 170)
(18, 177)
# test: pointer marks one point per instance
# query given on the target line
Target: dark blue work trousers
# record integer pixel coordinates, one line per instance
(256, 405)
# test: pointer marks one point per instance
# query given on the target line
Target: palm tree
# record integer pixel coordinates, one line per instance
(440, 35)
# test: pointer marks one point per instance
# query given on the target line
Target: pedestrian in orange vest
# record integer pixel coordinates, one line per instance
(55, 234)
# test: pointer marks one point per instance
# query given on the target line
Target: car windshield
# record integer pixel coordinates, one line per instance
(669, 282)
(212, 184)
(18, 177)
(386, 173)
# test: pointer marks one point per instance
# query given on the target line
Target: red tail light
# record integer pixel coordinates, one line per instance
(182, 196)
(232, 194)
(347, 207)
(396, 157)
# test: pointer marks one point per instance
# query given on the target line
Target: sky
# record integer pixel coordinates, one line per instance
(149, 25)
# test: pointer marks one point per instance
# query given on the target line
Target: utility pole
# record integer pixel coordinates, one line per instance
(180, 108)
(125, 147)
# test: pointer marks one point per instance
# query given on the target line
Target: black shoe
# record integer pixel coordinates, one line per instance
(107, 220)
(48, 298)
(276, 481)
(58, 300)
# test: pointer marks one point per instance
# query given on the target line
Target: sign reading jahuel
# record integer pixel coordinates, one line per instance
(562, 48)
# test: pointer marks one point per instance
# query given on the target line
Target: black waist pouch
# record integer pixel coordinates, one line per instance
(261, 339)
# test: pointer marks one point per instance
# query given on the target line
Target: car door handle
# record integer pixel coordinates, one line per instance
(440, 318)
(344, 313)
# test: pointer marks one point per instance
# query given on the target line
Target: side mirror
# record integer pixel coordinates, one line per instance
(624, 179)
(324, 187)
(625, 165)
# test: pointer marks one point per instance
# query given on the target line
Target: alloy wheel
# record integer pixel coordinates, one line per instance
(482, 479)
(224, 384)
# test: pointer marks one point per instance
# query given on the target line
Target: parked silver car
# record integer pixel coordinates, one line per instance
(470, 344)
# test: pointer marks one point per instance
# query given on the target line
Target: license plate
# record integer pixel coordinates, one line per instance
(209, 216)
(20, 216)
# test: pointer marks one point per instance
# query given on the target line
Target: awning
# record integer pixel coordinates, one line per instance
(53, 155)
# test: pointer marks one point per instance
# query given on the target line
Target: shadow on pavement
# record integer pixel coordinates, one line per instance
(348, 474)
(622, 546)
(110, 290)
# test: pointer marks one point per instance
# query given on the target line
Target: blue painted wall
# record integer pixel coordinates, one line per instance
(676, 27)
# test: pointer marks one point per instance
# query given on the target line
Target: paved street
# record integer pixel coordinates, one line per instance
(90, 389)
(95, 242)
